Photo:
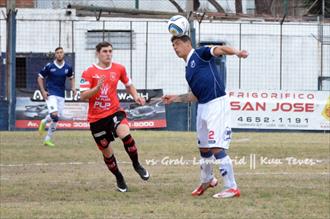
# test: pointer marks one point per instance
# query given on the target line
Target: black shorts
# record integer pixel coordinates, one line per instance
(104, 130)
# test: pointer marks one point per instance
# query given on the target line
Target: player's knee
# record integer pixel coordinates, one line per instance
(206, 154)
(54, 117)
(216, 150)
(220, 155)
(122, 131)
(107, 152)
(102, 148)
(127, 139)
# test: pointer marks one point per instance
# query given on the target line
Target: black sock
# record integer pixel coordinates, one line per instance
(131, 149)
(112, 166)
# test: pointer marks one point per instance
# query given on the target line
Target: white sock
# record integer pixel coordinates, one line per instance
(227, 172)
(206, 165)
(47, 119)
(51, 130)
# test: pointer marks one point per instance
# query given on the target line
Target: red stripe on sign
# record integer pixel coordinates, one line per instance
(27, 124)
(141, 124)
(34, 124)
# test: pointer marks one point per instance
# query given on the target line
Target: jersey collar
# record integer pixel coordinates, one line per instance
(107, 68)
(189, 55)
(59, 66)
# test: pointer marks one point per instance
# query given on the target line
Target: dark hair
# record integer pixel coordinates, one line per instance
(58, 48)
(100, 45)
(184, 38)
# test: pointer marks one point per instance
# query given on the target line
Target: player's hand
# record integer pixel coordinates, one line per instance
(44, 94)
(100, 82)
(242, 54)
(168, 99)
(140, 100)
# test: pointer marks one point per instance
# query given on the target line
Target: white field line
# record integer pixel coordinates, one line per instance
(241, 140)
(282, 173)
(47, 164)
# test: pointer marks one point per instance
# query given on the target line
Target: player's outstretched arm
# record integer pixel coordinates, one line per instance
(227, 50)
(182, 98)
(85, 95)
(132, 91)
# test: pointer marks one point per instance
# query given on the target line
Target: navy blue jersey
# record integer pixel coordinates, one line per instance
(55, 77)
(203, 77)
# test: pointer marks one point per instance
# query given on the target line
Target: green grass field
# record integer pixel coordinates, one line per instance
(281, 175)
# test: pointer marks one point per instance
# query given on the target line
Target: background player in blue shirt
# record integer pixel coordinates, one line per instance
(213, 113)
(55, 74)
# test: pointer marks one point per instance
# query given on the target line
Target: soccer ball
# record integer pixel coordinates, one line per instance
(178, 25)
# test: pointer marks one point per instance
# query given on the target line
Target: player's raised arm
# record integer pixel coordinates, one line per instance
(227, 50)
(86, 94)
(132, 91)
(130, 88)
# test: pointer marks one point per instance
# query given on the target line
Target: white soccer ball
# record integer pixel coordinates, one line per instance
(178, 25)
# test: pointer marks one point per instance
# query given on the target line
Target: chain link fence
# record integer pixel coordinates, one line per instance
(282, 57)
(291, 56)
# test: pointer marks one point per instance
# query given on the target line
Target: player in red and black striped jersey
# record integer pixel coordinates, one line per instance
(107, 120)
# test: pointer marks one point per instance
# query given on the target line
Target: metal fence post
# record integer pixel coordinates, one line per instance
(239, 60)
(146, 62)
(131, 50)
(59, 32)
(11, 62)
(103, 37)
(281, 50)
(192, 107)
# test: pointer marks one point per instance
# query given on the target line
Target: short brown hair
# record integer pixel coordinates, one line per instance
(184, 38)
(100, 45)
(58, 48)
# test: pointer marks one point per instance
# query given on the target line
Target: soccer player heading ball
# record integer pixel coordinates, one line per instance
(107, 120)
(213, 125)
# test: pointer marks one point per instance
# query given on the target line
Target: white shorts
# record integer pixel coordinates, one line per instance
(55, 104)
(213, 124)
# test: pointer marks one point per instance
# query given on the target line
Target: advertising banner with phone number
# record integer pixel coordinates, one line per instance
(30, 110)
(296, 110)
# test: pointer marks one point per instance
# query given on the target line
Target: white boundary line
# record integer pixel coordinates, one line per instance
(46, 164)
(282, 173)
